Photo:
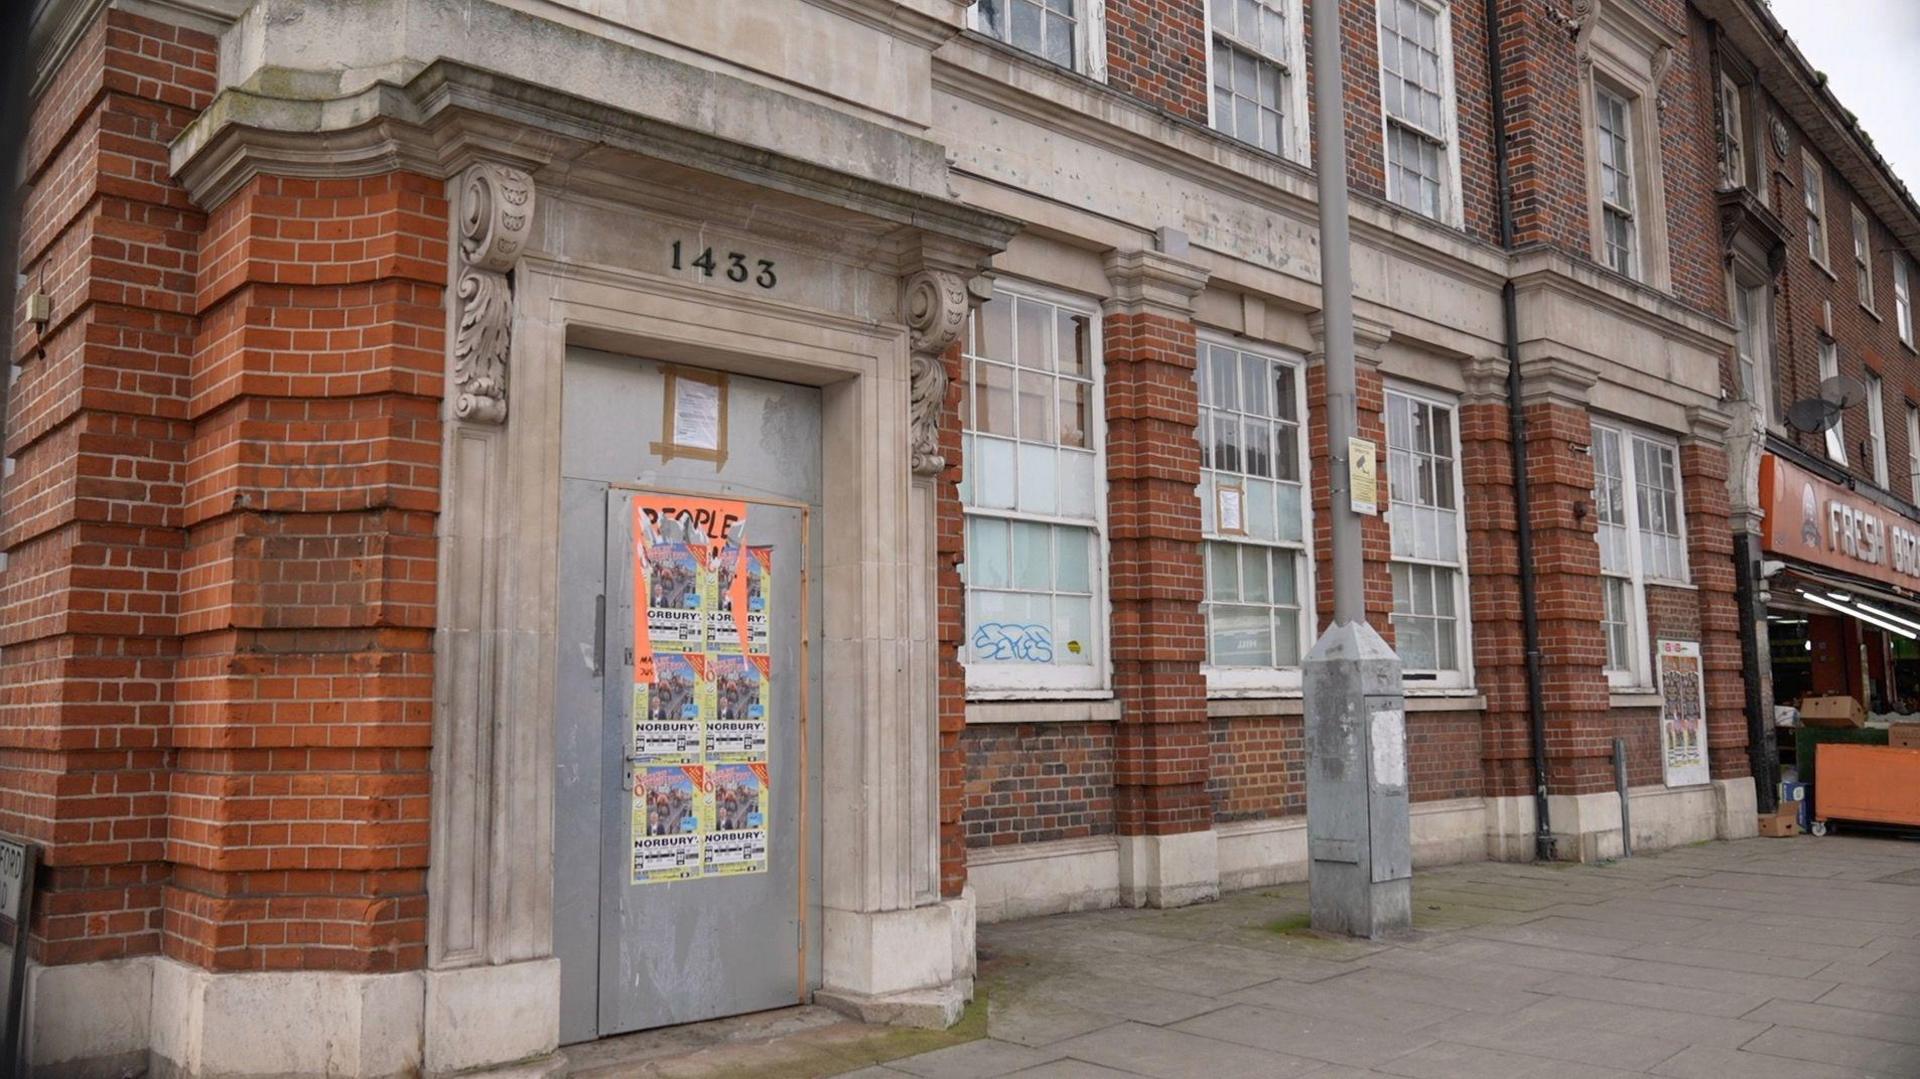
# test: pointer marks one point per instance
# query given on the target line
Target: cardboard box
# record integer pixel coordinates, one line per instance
(1779, 825)
(1904, 735)
(1836, 711)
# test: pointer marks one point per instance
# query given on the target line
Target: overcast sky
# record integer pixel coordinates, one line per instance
(1867, 49)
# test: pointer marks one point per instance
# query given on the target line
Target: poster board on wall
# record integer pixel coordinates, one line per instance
(1683, 714)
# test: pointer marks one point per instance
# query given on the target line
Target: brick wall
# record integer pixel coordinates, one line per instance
(99, 429)
(300, 796)
(1032, 783)
(1155, 573)
(219, 599)
(1258, 769)
(1157, 52)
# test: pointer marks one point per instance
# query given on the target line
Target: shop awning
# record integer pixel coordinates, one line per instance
(1878, 607)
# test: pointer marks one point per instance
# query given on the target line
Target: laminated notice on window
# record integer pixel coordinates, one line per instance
(696, 414)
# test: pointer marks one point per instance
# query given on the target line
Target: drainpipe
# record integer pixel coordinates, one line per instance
(1517, 434)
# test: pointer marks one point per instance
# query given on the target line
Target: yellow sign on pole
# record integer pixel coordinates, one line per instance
(1362, 476)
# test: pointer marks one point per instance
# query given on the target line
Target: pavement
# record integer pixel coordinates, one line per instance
(1792, 958)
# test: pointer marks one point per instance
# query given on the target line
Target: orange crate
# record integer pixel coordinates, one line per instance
(1879, 784)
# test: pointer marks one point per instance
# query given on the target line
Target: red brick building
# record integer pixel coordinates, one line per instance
(359, 319)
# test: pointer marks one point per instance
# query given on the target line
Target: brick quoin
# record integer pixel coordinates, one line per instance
(219, 596)
(300, 796)
(1155, 574)
(99, 428)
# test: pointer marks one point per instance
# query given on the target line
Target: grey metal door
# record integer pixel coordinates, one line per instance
(687, 802)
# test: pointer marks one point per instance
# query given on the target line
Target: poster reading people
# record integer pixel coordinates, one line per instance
(737, 842)
(669, 805)
(670, 713)
(1683, 714)
(737, 730)
(702, 696)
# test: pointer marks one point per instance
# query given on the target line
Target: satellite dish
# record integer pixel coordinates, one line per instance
(1844, 391)
(1813, 415)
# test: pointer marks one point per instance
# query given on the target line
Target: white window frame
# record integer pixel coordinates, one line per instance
(1262, 681)
(1460, 677)
(1863, 261)
(1089, 37)
(995, 681)
(1836, 436)
(1813, 201)
(1626, 54)
(1753, 346)
(1451, 208)
(1913, 453)
(1877, 427)
(1295, 138)
(1606, 93)
(1638, 673)
(1733, 132)
(1903, 297)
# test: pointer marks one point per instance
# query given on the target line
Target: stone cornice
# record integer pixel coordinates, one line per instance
(450, 115)
(1557, 380)
(1709, 424)
(1546, 270)
(927, 23)
(1153, 282)
(1369, 336)
(1486, 378)
(56, 25)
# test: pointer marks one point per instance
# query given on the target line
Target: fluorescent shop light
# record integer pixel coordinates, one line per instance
(1862, 616)
(1886, 614)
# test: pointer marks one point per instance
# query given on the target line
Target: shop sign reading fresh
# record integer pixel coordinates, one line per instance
(702, 691)
(1826, 524)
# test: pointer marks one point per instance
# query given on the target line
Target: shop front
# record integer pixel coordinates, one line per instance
(1842, 611)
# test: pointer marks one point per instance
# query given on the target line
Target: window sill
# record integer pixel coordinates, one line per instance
(1908, 345)
(1103, 710)
(1875, 315)
(1661, 582)
(1824, 268)
(1633, 698)
(1451, 700)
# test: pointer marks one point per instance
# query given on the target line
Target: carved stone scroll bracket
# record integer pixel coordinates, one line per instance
(936, 304)
(496, 214)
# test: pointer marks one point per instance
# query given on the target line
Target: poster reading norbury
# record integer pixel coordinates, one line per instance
(742, 585)
(737, 841)
(676, 600)
(669, 805)
(737, 728)
(1683, 714)
(670, 713)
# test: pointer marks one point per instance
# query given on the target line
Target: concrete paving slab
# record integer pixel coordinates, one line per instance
(1530, 955)
(1071, 1069)
(1129, 1000)
(1870, 1055)
(981, 1059)
(1724, 981)
(1555, 1039)
(1316, 1037)
(1684, 1028)
(1654, 995)
(1872, 998)
(1437, 992)
(1561, 939)
(1175, 1054)
(1451, 1060)
(1037, 1022)
(1357, 1003)
(1709, 1062)
(1837, 1020)
(1884, 977)
(1723, 959)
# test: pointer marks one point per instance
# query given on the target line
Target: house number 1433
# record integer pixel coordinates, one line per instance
(732, 264)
